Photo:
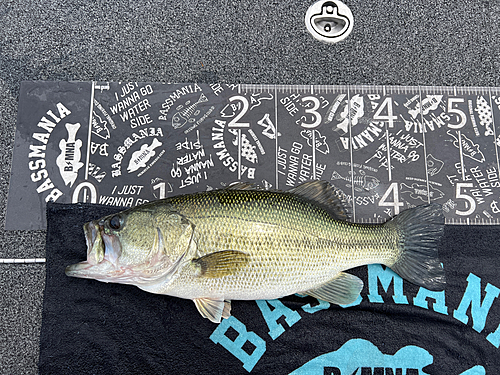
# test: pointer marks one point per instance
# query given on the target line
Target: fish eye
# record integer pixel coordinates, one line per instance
(115, 222)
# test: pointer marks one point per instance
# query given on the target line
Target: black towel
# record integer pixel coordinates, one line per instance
(90, 327)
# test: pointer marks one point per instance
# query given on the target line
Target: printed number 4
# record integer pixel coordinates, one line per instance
(394, 190)
(390, 112)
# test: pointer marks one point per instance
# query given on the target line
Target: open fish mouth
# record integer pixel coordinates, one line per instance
(104, 264)
(102, 255)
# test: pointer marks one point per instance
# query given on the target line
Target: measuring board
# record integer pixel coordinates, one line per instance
(388, 148)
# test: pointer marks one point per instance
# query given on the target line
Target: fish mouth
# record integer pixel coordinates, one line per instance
(104, 264)
(103, 251)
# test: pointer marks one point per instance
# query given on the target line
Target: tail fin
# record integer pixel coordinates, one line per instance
(420, 230)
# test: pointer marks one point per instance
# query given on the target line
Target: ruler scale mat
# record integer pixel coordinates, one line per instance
(388, 148)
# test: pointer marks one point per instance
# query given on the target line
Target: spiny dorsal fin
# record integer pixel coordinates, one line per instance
(343, 289)
(327, 196)
(321, 193)
(221, 263)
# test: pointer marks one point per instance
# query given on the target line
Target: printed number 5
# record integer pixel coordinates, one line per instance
(468, 198)
(461, 115)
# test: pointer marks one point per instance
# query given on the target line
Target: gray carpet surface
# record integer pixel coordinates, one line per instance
(416, 42)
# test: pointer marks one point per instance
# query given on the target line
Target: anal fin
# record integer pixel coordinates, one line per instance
(213, 309)
(343, 289)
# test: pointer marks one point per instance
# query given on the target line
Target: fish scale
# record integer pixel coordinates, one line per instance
(301, 241)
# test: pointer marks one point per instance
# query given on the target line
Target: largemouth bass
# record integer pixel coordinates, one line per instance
(243, 243)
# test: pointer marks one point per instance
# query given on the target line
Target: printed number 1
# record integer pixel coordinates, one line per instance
(161, 187)
(393, 188)
(468, 198)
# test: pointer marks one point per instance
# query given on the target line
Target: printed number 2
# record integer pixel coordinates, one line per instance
(468, 198)
(234, 122)
(393, 188)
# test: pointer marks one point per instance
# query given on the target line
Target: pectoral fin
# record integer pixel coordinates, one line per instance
(221, 263)
(343, 289)
(213, 309)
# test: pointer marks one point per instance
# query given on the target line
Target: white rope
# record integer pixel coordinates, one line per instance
(22, 261)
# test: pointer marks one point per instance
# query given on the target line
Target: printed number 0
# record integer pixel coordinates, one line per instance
(393, 188)
(313, 111)
(88, 188)
(234, 122)
(468, 198)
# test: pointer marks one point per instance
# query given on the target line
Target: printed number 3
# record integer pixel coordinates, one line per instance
(312, 111)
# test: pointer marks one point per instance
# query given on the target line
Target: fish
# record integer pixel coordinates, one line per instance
(179, 119)
(246, 243)
(434, 165)
(68, 160)
(140, 157)
(361, 182)
(320, 140)
(428, 104)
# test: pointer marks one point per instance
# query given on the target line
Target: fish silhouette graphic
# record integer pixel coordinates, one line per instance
(179, 119)
(141, 157)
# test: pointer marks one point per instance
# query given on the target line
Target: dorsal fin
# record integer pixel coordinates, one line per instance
(321, 193)
(325, 195)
